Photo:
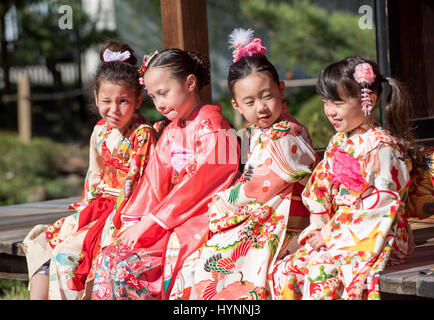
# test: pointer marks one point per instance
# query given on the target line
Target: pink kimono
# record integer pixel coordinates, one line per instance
(193, 160)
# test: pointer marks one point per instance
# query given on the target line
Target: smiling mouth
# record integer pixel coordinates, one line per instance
(265, 118)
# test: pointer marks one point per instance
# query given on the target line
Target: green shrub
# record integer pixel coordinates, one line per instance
(29, 172)
(311, 114)
(13, 290)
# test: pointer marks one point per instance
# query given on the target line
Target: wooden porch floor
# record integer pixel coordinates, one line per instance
(404, 281)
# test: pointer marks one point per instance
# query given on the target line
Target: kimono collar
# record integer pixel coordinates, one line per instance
(285, 116)
(364, 127)
(182, 123)
(200, 113)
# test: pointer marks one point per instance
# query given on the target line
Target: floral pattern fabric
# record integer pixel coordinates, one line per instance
(421, 194)
(178, 185)
(254, 221)
(117, 159)
(356, 197)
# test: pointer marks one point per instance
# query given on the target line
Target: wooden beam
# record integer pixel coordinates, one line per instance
(415, 26)
(185, 27)
(24, 109)
(383, 50)
(405, 46)
(13, 267)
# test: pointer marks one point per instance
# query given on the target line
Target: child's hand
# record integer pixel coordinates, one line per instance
(315, 240)
(133, 233)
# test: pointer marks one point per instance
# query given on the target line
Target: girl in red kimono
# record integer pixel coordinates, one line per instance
(196, 156)
(120, 146)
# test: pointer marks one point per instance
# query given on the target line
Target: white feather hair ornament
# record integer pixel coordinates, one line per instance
(241, 37)
(243, 44)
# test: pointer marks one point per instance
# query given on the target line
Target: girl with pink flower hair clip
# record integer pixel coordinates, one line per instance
(356, 195)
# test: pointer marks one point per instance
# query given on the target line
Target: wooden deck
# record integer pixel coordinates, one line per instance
(15, 222)
(404, 281)
(410, 278)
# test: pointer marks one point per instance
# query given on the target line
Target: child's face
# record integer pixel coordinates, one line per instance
(116, 103)
(345, 115)
(259, 99)
(171, 96)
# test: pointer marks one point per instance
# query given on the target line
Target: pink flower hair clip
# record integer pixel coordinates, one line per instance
(244, 44)
(142, 69)
(110, 56)
(365, 76)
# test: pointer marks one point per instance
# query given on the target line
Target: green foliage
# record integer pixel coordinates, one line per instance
(313, 117)
(305, 36)
(13, 290)
(41, 41)
(40, 36)
(227, 109)
(29, 172)
(139, 24)
(148, 110)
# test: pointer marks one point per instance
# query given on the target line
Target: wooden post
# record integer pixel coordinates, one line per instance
(24, 109)
(185, 27)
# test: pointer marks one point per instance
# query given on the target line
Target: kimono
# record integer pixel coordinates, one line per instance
(193, 160)
(356, 198)
(420, 202)
(255, 221)
(117, 159)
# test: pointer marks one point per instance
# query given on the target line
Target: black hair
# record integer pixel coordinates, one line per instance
(247, 65)
(120, 72)
(336, 82)
(183, 63)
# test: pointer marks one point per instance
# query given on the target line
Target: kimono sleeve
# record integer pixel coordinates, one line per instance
(151, 189)
(364, 226)
(199, 179)
(281, 162)
(142, 148)
(317, 197)
(94, 172)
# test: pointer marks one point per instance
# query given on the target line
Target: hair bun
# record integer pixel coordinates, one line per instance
(182, 63)
(202, 67)
(119, 47)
